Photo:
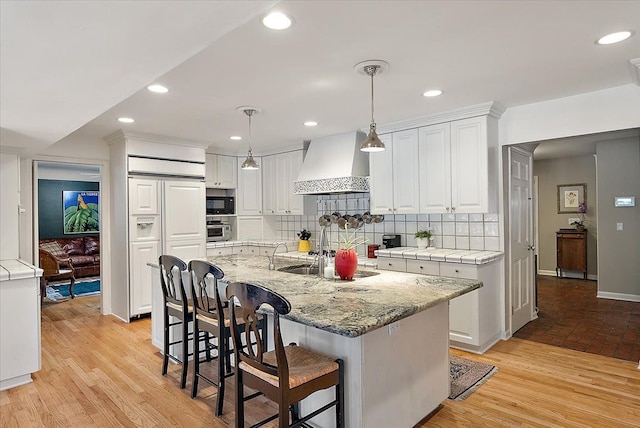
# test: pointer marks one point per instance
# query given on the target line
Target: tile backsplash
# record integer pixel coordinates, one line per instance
(455, 231)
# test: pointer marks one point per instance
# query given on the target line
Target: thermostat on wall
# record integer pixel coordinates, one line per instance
(625, 201)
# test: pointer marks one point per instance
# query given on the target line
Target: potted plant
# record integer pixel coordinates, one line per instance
(579, 223)
(422, 238)
(303, 244)
(346, 261)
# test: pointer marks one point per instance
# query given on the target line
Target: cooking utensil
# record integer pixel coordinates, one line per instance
(334, 217)
(324, 220)
(367, 217)
(378, 218)
(341, 222)
(353, 222)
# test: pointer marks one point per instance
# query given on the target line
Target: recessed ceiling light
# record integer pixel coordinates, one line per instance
(158, 89)
(277, 21)
(614, 38)
(235, 137)
(125, 120)
(310, 123)
(432, 93)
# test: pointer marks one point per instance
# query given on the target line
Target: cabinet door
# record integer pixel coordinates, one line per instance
(381, 178)
(210, 177)
(249, 195)
(294, 163)
(187, 250)
(227, 172)
(184, 210)
(140, 273)
(269, 185)
(281, 185)
(388, 263)
(143, 196)
(469, 165)
(424, 267)
(435, 168)
(463, 310)
(406, 190)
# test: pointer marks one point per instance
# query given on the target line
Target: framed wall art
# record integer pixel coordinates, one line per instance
(81, 211)
(570, 196)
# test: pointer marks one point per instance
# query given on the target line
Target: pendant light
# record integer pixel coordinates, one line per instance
(249, 162)
(371, 68)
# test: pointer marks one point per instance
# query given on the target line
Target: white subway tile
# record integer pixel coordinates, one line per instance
(491, 217)
(491, 229)
(462, 242)
(476, 243)
(475, 217)
(448, 242)
(448, 228)
(448, 217)
(476, 229)
(462, 228)
(492, 244)
(462, 217)
(435, 217)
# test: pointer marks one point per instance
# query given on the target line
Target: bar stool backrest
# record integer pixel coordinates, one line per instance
(172, 287)
(206, 305)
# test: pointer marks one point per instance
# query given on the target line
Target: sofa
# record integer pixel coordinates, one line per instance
(82, 252)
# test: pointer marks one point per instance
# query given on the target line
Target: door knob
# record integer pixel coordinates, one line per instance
(531, 247)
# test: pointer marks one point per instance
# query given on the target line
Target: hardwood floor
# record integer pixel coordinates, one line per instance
(571, 316)
(98, 371)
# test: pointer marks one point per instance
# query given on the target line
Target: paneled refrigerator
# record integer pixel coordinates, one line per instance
(166, 216)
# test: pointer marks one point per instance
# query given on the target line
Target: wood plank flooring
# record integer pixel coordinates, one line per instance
(100, 372)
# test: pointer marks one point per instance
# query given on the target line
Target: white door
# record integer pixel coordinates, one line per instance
(140, 279)
(406, 191)
(435, 168)
(184, 209)
(268, 169)
(521, 274)
(381, 178)
(249, 195)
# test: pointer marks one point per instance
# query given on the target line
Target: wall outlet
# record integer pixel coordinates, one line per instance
(572, 219)
(619, 226)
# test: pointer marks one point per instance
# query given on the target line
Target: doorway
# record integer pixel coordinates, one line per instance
(67, 217)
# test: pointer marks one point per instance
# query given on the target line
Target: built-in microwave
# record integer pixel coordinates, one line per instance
(217, 230)
(217, 205)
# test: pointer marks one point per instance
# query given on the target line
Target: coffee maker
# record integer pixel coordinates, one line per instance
(391, 241)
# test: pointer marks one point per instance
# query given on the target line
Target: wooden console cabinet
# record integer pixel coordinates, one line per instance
(571, 245)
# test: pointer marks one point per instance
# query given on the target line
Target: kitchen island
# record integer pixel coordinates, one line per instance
(391, 329)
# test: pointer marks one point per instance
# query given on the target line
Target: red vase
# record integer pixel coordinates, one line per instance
(346, 263)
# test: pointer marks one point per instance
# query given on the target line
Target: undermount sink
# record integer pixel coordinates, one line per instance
(307, 270)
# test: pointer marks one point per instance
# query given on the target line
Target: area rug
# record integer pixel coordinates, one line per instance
(60, 291)
(467, 376)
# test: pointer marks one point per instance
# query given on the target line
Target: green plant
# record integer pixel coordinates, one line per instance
(425, 234)
(82, 218)
(349, 240)
(304, 235)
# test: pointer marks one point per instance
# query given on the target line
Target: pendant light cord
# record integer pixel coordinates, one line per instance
(250, 113)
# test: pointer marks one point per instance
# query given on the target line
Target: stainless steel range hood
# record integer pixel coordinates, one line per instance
(334, 164)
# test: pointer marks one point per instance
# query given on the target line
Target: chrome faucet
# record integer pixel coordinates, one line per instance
(322, 242)
(272, 266)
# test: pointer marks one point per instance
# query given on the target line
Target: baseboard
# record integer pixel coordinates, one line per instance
(571, 275)
(618, 296)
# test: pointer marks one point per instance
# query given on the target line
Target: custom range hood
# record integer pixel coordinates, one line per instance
(334, 164)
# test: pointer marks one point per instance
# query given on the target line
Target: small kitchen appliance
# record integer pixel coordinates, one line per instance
(217, 230)
(391, 241)
(217, 205)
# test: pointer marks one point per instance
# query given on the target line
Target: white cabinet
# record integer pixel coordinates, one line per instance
(141, 253)
(249, 194)
(279, 173)
(455, 160)
(220, 251)
(184, 205)
(394, 174)
(221, 171)
(143, 196)
(474, 318)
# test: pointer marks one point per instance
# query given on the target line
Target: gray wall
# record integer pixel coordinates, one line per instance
(551, 173)
(619, 175)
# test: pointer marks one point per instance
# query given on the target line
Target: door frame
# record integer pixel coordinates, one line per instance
(105, 207)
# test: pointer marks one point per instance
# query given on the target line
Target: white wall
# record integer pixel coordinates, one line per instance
(600, 111)
(10, 197)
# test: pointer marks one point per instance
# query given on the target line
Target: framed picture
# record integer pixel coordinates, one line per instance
(570, 196)
(81, 211)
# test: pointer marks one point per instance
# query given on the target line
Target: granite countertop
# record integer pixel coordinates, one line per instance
(474, 257)
(254, 242)
(18, 269)
(347, 308)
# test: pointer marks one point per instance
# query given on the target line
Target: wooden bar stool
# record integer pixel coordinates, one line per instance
(285, 375)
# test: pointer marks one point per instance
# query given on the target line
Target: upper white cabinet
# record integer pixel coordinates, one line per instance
(249, 195)
(278, 175)
(221, 171)
(455, 167)
(394, 174)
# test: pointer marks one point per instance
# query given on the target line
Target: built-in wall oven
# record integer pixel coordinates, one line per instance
(217, 230)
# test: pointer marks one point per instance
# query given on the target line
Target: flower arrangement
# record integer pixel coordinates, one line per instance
(304, 235)
(582, 209)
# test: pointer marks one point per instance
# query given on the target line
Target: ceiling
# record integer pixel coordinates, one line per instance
(79, 72)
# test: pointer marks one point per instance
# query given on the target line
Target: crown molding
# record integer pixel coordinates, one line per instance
(492, 109)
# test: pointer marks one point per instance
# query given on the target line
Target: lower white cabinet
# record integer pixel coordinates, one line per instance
(222, 251)
(474, 318)
(140, 254)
